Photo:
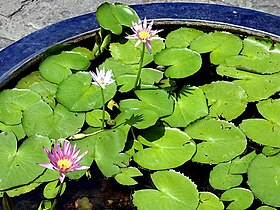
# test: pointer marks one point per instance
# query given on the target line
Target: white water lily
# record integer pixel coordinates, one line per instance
(102, 78)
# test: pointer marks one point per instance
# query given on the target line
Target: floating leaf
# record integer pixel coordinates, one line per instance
(157, 100)
(270, 110)
(28, 80)
(183, 62)
(266, 208)
(174, 191)
(182, 37)
(184, 112)
(125, 177)
(173, 149)
(270, 151)
(77, 93)
(51, 189)
(119, 68)
(226, 100)
(21, 190)
(264, 179)
(39, 118)
(94, 117)
(208, 201)
(228, 180)
(13, 102)
(84, 51)
(220, 44)
(221, 140)
(56, 68)
(241, 198)
(262, 131)
(113, 16)
(15, 161)
(240, 165)
(16, 129)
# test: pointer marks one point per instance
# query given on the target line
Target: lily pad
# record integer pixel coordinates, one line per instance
(40, 119)
(270, 110)
(16, 129)
(94, 118)
(226, 99)
(184, 112)
(220, 44)
(56, 68)
(13, 102)
(221, 140)
(21, 190)
(222, 179)
(262, 131)
(174, 191)
(117, 15)
(182, 62)
(20, 160)
(173, 149)
(241, 165)
(125, 177)
(241, 198)
(208, 201)
(182, 37)
(264, 178)
(77, 93)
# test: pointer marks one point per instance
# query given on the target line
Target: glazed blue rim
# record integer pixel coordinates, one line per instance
(22, 51)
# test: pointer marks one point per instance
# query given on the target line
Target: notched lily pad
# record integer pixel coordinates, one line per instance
(270, 110)
(208, 201)
(221, 140)
(220, 44)
(241, 198)
(174, 191)
(264, 179)
(171, 150)
(241, 165)
(226, 100)
(94, 118)
(126, 176)
(56, 68)
(182, 62)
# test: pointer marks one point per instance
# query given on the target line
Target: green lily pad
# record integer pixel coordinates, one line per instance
(208, 201)
(264, 178)
(241, 198)
(157, 100)
(84, 51)
(13, 102)
(184, 112)
(174, 191)
(221, 178)
(173, 149)
(262, 131)
(56, 68)
(119, 68)
(125, 177)
(20, 160)
(113, 16)
(226, 99)
(241, 165)
(77, 93)
(16, 129)
(270, 151)
(251, 82)
(28, 80)
(182, 37)
(182, 62)
(266, 208)
(220, 44)
(94, 117)
(270, 110)
(40, 119)
(221, 140)
(21, 190)
(51, 189)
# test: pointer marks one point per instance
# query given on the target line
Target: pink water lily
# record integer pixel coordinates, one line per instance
(143, 33)
(64, 159)
(102, 78)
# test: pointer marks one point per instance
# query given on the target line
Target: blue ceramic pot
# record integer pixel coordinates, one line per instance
(21, 54)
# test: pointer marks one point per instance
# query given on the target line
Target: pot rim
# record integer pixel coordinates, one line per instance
(16, 55)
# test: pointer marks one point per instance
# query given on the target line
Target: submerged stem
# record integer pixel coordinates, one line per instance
(140, 66)
(103, 108)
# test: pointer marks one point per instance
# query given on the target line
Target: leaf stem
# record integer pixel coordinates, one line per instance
(57, 196)
(103, 108)
(137, 82)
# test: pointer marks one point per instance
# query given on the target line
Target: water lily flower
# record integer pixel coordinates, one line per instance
(143, 33)
(102, 78)
(64, 159)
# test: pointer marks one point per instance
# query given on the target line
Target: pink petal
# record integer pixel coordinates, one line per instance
(61, 177)
(47, 165)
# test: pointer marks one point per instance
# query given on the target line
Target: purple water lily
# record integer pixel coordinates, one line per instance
(102, 78)
(143, 33)
(64, 159)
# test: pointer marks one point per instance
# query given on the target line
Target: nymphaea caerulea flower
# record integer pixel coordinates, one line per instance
(143, 33)
(102, 78)
(64, 159)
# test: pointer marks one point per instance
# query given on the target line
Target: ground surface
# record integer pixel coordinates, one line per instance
(19, 18)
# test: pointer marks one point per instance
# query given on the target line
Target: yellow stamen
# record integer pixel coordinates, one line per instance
(143, 35)
(64, 163)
